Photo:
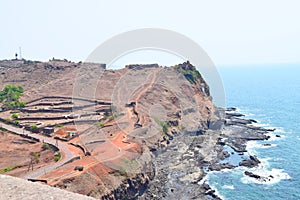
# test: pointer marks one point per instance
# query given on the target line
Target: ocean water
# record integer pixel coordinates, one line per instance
(271, 95)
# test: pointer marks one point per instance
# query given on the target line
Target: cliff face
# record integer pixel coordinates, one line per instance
(161, 115)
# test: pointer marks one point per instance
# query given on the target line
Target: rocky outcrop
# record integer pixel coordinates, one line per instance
(252, 162)
(258, 177)
(130, 188)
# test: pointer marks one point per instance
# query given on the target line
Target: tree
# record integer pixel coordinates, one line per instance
(10, 95)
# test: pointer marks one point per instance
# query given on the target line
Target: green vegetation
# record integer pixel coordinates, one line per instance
(34, 129)
(30, 62)
(59, 125)
(192, 75)
(57, 156)
(8, 169)
(164, 126)
(36, 156)
(45, 146)
(15, 116)
(2, 129)
(7, 120)
(10, 95)
(101, 125)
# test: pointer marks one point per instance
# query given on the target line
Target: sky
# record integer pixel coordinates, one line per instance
(232, 32)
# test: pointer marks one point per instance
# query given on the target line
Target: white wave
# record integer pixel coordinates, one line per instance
(259, 124)
(225, 170)
(273, 137)
(230, 187)
(279, 130)
(206, 180)
(272, 176)
(253, 145)
(245, 112)
(267, 146)
(279, 159)
(248, 114)
(212, 186)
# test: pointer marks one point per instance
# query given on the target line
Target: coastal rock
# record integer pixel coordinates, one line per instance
(250, 174)
(252, 162)
(230, 109)
(258, 177)
(219, 167)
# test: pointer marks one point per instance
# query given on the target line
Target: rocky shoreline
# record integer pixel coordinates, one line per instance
(182, 166)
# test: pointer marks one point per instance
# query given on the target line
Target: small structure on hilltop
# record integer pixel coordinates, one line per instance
(102, 65)
(48, 131)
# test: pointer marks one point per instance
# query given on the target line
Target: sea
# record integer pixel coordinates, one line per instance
(269, 94)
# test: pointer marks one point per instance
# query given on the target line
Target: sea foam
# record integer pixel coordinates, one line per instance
(230, 187)
(269, 177)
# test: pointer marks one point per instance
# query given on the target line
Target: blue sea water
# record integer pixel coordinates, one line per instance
(271, 95)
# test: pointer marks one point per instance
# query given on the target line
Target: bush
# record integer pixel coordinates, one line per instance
(36, 156)
(8, 169)
(101, 125)
(164, 126)
(57, 156)
(34, 129)
(45, 146)
(15, 116)
(59, 125)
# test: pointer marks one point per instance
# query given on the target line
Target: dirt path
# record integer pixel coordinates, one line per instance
(146, 88)
(63, 147)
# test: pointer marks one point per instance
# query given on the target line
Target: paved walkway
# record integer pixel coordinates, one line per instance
(63, 147)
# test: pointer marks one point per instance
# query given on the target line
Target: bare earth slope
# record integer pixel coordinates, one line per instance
(147, 132)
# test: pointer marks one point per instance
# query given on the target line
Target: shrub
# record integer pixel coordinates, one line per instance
(36, 156)
(45, 146)
(34, 129)
(101, 125)
(59, 125)
(57, 156)
(8, 169)
(164, 126)
(15, 116)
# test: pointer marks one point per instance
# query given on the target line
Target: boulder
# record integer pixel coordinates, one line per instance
(250, 174)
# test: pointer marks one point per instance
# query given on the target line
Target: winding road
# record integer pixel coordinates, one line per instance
(63, 147)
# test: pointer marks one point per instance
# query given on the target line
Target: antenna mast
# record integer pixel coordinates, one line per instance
(20, 53)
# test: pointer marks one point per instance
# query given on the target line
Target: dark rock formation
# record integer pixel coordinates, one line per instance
(252, 162)
(258, 177)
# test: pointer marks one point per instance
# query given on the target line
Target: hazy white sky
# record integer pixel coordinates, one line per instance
(231, 31)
